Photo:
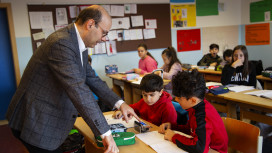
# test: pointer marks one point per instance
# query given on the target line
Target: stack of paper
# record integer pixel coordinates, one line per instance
(241, 88)
(157, 142)
(261, 93)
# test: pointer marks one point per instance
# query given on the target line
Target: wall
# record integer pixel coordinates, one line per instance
(233, 14)
(260, 52)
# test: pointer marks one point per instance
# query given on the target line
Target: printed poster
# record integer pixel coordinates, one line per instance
(188, 40)
(258, 34)
(183, 15)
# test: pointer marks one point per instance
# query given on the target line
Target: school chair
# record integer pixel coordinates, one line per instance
(243, 136)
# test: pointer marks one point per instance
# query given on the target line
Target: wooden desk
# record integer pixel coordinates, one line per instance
(91, 147)
(258, 106)
(132, 93)
(211, 75)
(267, 82)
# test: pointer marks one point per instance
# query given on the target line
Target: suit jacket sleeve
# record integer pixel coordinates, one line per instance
(64, 62)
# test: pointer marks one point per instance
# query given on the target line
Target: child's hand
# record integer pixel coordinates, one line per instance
(169, 135)
(164, 127)
(138, 71)
(157, 73)
(213, 64)
(117, 115)
(237, 63)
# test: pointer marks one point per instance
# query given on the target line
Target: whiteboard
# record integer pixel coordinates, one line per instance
(225, 36)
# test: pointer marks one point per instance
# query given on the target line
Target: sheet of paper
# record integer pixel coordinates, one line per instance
(57, 27)
(261, 93)
(138, 80)
(46, 19)
(112, 35)
(166, 147)
(107, 8)
(117, 10)
(73, 11)
(137, 21)
(241, 88)
(150, 23)
(213, 84)
(120, 23)
(149, 33)
(111, 47)
(48, 31)
(133, 8)
(38, 36)
(35, 22)
(119, 35)
(136, 34)
(126, 35)
(156, 141)
(111, 120)
(100, 48)
(61, 16)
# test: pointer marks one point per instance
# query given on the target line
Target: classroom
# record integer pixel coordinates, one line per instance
(227, 29)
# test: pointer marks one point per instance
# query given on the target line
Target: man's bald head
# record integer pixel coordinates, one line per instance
(94, 12)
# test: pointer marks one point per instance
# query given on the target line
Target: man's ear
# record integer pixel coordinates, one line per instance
(90, 23)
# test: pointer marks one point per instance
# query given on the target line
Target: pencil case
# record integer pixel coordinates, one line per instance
(120, 138)
(219, 90)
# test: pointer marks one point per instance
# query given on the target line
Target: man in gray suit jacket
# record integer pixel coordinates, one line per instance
(57, 84)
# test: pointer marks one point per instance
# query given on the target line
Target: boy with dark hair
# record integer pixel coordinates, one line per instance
(205, 126)
(227, 56)
(156, 105)
(211, 59)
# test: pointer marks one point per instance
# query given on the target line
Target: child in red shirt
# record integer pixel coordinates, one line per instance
(205, 126)
(156, 105)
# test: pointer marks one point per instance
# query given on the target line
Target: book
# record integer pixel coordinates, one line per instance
(261, 93)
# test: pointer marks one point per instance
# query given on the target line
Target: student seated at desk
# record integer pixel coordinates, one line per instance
(147, 63)
(155, 106)
(211, 59)
(227, 56)
(171, 66)
(240, 71)
(205, 126)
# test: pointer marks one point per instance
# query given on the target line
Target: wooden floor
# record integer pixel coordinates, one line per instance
(8, 143)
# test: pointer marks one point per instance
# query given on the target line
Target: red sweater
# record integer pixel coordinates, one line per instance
(161, 112)
(206, 127)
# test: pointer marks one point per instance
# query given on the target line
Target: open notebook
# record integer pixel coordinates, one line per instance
(157, 142)
(261, 93)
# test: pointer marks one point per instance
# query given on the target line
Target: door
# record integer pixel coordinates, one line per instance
(8, 80)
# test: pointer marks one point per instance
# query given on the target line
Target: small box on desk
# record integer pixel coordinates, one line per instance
(111, 69)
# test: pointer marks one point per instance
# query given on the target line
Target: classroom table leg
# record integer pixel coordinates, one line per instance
(116, 87)
(128, 93)
(232, 113)
(136, 94)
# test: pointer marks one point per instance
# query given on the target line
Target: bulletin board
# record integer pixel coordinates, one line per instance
(160, 12)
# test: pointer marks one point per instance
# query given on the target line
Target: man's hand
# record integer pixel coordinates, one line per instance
(128, 112)
(117, 115)
(109, 145)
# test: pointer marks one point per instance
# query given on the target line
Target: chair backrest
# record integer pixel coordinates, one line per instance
(242, 136)
(258, 65)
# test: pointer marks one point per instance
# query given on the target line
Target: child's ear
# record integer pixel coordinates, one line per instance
(194, 101)
(161, 92)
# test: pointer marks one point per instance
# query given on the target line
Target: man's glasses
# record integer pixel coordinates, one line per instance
(104, 32)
